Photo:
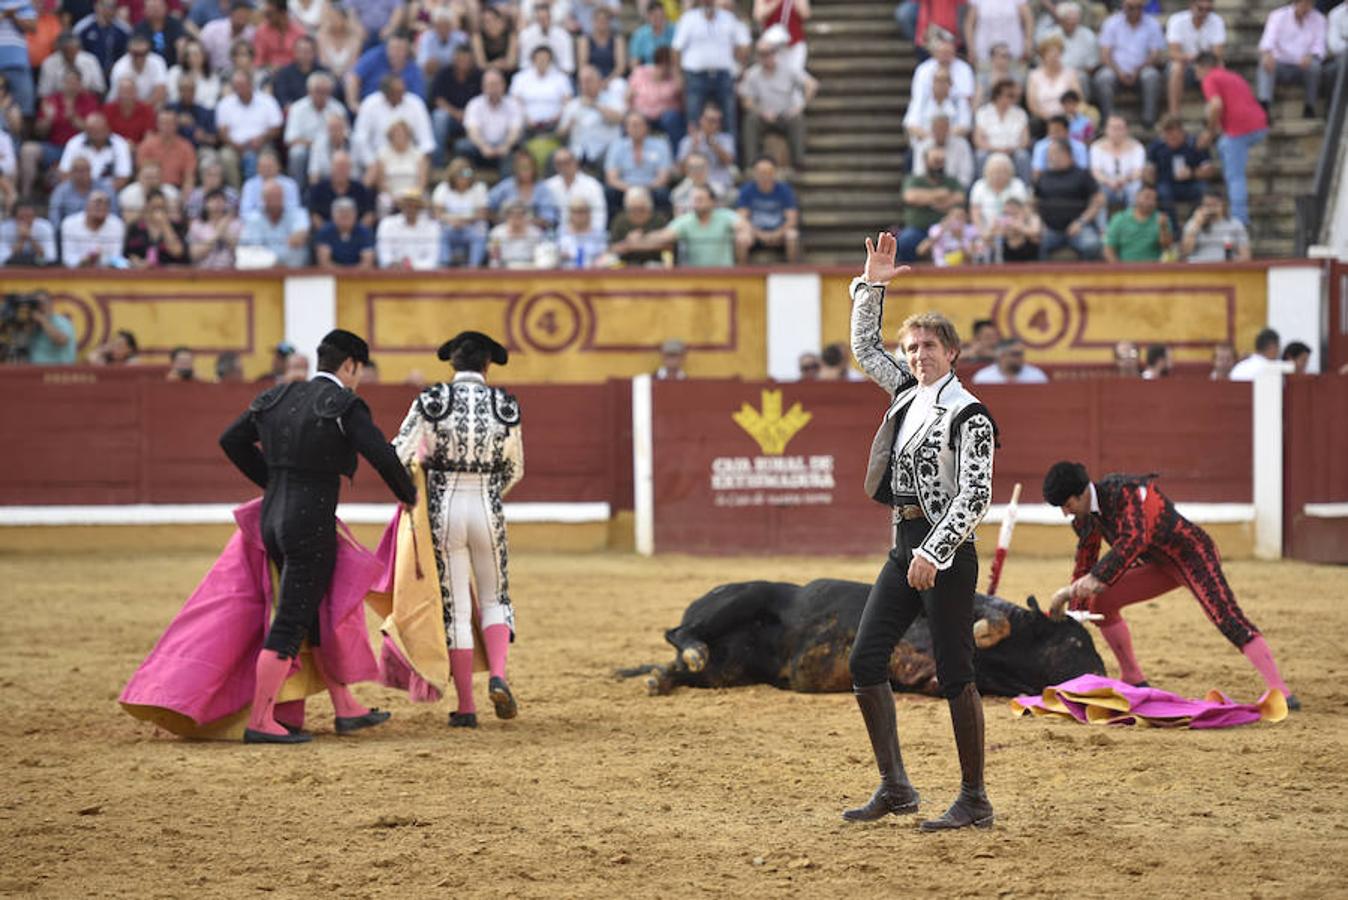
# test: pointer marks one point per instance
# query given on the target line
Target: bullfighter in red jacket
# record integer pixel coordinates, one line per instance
(1153, 549)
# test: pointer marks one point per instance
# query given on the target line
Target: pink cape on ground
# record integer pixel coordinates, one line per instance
(200, 675)
(1094, 700)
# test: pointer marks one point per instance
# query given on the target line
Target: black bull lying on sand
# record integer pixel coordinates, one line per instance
(799, 638)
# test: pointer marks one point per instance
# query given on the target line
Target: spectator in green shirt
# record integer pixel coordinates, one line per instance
(707, 235)
(1138, 233)
(926, 199)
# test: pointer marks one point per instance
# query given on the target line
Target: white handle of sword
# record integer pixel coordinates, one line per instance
(1009, 521)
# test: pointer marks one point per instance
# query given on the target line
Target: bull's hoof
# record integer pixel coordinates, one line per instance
(695, 656)
(657, 682)
(900, 801)
(965, 812)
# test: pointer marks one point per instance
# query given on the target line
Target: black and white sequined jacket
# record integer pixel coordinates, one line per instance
(465, 426)
(947, 462)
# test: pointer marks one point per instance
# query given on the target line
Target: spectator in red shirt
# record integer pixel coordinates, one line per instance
(59, 118)
(1236, 121)
(176, 156)
(915, 17)
(127, 115)
(274, 40)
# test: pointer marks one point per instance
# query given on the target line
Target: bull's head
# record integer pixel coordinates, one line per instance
(1022, 650)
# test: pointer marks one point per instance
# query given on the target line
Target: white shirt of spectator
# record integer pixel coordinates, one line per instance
(306, 123)
(542, 97)
(1105, 163)
(208, 89)
(959, 158)
(777, 94)
(925, 107)
(557, 38)
(396, 240)
(1193, 41)
(9, 164)
(584, 186)
(1002, 131)
(993, 375)
(589, 134)
(998, 23)
(152, 75)
(112, 160)
(709, 45)
(247, 121)
(131, 199)
(962, 80)
(1336, 34)
(1080, 50)
(1251, 366)
(78, 240)
(493, 123)
(991, 202)
(445, 201)
(54, 68)
(561, 10)
(376, 114)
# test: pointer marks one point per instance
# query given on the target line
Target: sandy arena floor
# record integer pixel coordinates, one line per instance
(598, 790)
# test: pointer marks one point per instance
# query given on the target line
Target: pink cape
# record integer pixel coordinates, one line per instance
(202, 669)
(1103, 701)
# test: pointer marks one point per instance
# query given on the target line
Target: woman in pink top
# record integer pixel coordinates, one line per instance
(656, 92)
(1048, 82)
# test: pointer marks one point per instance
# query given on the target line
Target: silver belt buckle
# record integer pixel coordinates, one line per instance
(908, 512)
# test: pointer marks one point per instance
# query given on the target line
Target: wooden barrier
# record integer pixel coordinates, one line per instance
(126, 441)
(749, 467)
(1315, 468)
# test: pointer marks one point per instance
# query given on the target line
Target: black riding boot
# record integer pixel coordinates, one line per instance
(894, 796)
(971, 807)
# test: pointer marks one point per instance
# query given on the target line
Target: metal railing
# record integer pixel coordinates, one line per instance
(1311, 207)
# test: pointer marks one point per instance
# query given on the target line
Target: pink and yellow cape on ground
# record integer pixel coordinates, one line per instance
(1094, 700)
(198, 680)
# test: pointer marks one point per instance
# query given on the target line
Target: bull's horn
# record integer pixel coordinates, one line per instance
(991, 631)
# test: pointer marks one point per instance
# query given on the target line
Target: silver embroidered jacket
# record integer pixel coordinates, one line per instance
(947, 462)
(465, 426)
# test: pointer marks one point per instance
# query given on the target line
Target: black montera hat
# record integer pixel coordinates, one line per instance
(353, 345)
(495, 350)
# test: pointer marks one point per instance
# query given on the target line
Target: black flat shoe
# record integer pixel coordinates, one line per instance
(352, 724)
(463, 720)
(264, 737)
(1293, 704)
(294, 729)
(504, 701)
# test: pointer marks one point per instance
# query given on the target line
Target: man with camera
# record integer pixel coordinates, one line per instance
(32, 332)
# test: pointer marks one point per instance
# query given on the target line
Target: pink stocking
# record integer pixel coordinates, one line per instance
(461, 667)
(343, 703)
(271, 674)
(290, 713)
(1261, 657)
(497, 641)
(1120, 640)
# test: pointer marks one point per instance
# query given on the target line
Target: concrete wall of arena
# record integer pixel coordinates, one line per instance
(566, 327)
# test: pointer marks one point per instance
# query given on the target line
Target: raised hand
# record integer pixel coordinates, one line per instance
(880, 266)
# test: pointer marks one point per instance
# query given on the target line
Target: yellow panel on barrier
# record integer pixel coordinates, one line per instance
(1075, 314)
(564, 328)
(243, 314)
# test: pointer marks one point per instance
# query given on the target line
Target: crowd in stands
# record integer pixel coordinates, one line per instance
(1020, 152)
(398, 133)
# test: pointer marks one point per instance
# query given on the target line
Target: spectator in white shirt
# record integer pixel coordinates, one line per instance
(1080, 47)
(517, 243)
(1189, 33)
(109, 154)
(962, 80)
(711, 43)
(1336, 38)
(580, 243)
(959, 154)
(716, 145)
(1118, 161)
(593, 119)
(494, 123)
(544, 32)
(408, 239)
(146, 69)
(921, 110)
(93, 237)
(1267, 348)
(379, 110)
(775, 94)
(131, 199)
(541, 91)
(246, 120)
(307, 120)
(1010, 367)
(1000, 126)
(1132, 46)
(460, 202)
(70, 57)
(1292, 48)
(991, 193)
(570, 184)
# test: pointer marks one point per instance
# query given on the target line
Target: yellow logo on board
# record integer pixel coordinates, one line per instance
(772, 429)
